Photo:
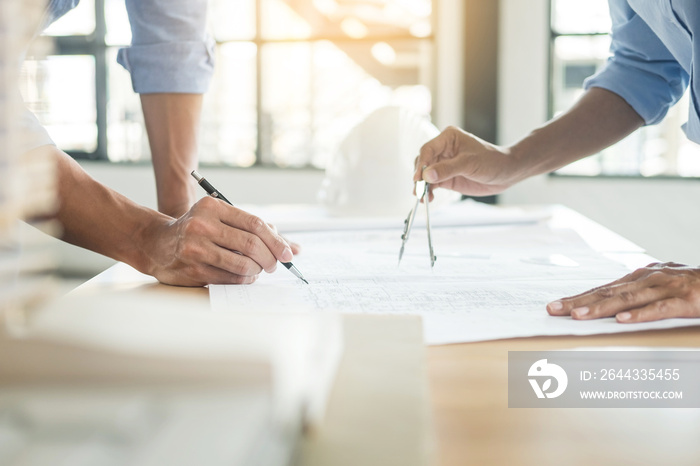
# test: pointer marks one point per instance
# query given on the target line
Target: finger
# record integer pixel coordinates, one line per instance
(249, 246)
(202, 275)
(240, 264)
(295, 247)
(626, 297)
(216, 276)
(275, 244)
(433, 150)
(564, 306)
(444, 170)
(663, 309)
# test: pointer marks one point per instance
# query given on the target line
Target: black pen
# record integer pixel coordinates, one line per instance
(213, 192)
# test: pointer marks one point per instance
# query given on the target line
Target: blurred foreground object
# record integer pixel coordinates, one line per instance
(146, 378)
(27, 184)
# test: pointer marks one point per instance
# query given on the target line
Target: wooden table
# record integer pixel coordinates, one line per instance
(474, 426)
(469, 397)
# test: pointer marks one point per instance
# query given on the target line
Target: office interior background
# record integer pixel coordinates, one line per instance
(294, 76)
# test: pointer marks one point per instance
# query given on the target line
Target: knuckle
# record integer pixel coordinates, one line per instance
(243, 280)
(199, 274)
(207, 202)
(693, 296)
(189, 249)
(604, 292)
(673, 265)
(676, 283)
(250, 268)
(195, 226)
(627, 296)
(251, 244)
(662, 307)
(236, 267)
(255, 225)
(244, 268)
(657, 275)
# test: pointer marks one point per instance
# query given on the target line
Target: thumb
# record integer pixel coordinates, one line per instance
(443, 170)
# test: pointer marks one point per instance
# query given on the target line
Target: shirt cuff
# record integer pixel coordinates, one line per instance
(649, 94)
(179, 67)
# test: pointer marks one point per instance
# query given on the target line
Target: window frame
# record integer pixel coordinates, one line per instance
(553, 35)
(95, 45)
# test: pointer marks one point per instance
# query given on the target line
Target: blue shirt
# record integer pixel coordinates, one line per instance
(170, 50)
(655, 57)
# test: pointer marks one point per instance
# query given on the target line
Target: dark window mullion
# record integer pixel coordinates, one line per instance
(258, 90)
(100, 52)
(94, 45)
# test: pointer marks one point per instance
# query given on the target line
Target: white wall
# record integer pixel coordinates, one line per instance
(659, 215)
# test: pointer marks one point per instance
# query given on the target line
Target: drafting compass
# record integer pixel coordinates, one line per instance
(421, 193)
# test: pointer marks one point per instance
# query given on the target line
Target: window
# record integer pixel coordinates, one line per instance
(292, 77)
(580, 44)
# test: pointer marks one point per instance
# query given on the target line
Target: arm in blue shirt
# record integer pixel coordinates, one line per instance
(642, 70)
(170, 49)
(171, 61)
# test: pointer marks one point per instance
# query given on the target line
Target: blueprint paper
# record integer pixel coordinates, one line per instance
(488, 282)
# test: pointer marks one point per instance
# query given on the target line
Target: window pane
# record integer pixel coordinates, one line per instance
(659, 150)
(117, 22)
(78, 22)
(580, 17)
(313, 93)
(126, 133)
(356, 19)
(575, 58)
(232, 20)
(286, 111)
(229, 118)
(60, 90)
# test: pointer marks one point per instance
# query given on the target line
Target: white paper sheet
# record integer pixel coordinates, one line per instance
(304, 218)
(488, 282)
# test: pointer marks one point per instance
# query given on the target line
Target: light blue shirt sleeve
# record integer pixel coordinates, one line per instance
(170, 50)
(641, 70)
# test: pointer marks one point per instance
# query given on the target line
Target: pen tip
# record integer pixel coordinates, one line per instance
(304, 280)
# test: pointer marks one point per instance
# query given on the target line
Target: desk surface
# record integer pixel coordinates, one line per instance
(473, 425)
(469, 398)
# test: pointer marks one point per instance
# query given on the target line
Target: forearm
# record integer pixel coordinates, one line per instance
(172, 123)
(97, 218)
(599, 119)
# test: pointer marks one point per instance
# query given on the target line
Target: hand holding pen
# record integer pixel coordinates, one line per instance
(213, 192)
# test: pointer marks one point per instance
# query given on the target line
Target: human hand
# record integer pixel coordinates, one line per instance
(295, 247)
(657, 291)
(464, 163)
(213, 243)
